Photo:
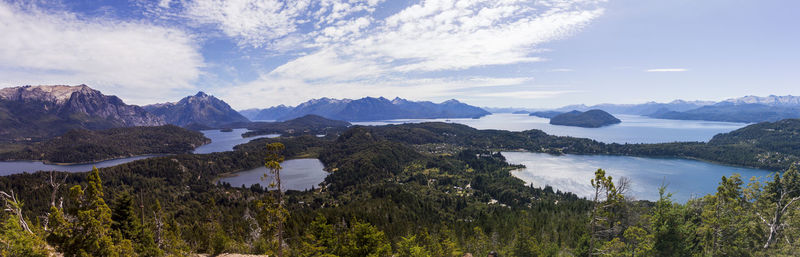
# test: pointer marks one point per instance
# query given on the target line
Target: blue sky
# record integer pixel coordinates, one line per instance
(535, 54)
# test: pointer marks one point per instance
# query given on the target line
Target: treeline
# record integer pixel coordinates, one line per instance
(76, 146)
(383, 198)
(306, 125)
(772, 146)
(407, 200)
(740, 219)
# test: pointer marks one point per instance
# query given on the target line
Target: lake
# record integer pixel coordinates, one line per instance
(297, 174)
(225, 141)
(14, 167)
(572, 173)
(220, 142)
(633, 129)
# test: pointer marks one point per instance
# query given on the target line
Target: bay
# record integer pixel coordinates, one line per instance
(297, 174)
(220, 142)
(225, 141)
(633, 129)
(573, 173)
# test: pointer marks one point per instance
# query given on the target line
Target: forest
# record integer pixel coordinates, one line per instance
(431, 189)
(80, 145)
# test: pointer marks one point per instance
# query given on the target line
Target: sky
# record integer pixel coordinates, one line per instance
(501, 53)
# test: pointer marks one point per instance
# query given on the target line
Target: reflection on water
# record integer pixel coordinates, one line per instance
(297, 174)
(572, 173)
(633, 129)
(220, 142)
(225, 141)
(14, 167)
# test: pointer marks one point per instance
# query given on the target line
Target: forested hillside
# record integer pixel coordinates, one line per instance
(89, 146)
(431, 189)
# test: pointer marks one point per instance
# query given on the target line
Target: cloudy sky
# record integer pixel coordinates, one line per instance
(537, 54)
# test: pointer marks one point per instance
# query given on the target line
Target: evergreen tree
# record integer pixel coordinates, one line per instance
(272, 211)
(666, 223)
(364, 240)
(15, 241)
(411, 247)
(90, 233)
(728, 225)
(319, 239)
(775, 202)
(125, 218)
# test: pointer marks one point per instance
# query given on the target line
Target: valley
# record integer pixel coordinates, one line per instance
(452, 178)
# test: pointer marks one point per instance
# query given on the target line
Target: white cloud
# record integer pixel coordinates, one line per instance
(359, 56)
(667, 70)
(529, 94)
(273, 90)
(138, 61)
(271, 23)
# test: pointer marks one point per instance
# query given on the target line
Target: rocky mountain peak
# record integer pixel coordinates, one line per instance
(57, 94)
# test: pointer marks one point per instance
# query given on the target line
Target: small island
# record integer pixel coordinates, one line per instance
(588, 119)
(545, 114)
(226, 130)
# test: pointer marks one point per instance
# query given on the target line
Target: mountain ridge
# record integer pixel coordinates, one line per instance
(199, 110)
(370, 109)
(32, 112)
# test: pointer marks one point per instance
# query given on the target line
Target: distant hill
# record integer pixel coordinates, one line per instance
(38, 112)
(587, 119)
(309, 124)
(771, 100)
(200, 111)
(88, 146)
(250, 113)
(748, 109)
(639, 109)
(545, 114)
(370, 109)
(272, 113)
(781, 136)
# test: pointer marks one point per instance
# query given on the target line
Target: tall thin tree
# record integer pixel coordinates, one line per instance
(273, 162)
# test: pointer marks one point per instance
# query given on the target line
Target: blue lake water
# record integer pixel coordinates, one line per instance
(297, 174)
(220, 142)
(633, 129)
(225, 141)
(14, 167)
(573, 173)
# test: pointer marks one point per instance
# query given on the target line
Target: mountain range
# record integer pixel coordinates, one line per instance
(370, 109)
(35, 112)
(200, 110)
(748, 109)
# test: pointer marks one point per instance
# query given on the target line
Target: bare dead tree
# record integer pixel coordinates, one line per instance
(55, 183)
(776, 224)
(13, 206)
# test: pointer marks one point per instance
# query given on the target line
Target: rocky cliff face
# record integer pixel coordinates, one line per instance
(201, 110)
(81, 99)
(42, 111)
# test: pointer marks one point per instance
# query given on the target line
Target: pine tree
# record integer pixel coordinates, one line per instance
(666, 223)
(90, 233)
(124, 217)
(272, 212)
(16, 241)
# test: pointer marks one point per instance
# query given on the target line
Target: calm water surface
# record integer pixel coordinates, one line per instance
(633, 129)
(225, 141)
(14, 167)
(572, 173)
(220, 142)
(297, 174)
